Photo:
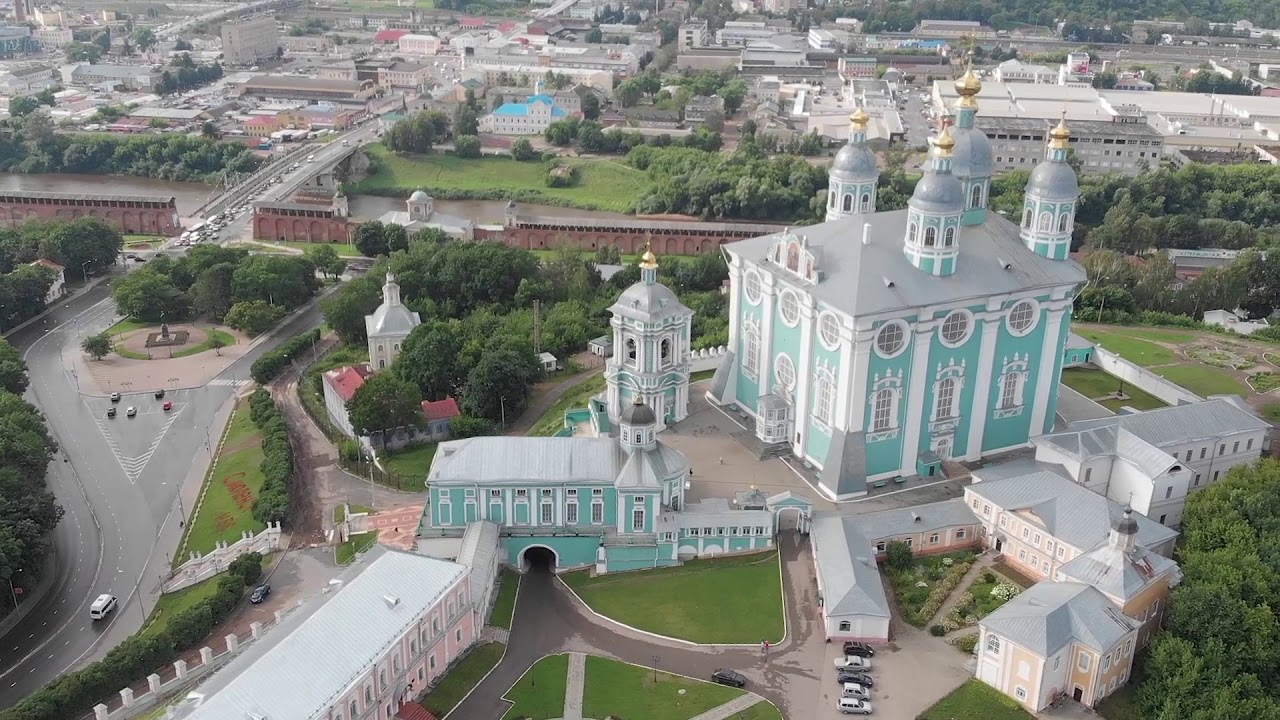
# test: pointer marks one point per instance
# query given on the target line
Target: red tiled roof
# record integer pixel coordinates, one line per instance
(49, 264)
(445, 409)
(346, 380)
(260, 120)
(414, 711)
(507, 26)
(389, 36)
(471, 22)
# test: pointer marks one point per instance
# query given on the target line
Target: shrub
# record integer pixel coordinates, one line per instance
(988, 577)
(349, 450)
(465, 426)
(1005, 591)
(466, 146)
(897, 555)
(941, 590)
(965, 643)
(272, 503)
(266, 368)
(937, 630)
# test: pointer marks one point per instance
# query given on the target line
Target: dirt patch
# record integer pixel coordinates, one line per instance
(245, 443)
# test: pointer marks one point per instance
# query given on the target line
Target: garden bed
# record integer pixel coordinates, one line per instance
(986, 593)
(923, 587)
(1264, 382)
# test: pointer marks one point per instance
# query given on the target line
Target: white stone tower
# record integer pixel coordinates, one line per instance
(421, 206)
(1049, 210)
(388, 326)
(932, 241)
(851, 186)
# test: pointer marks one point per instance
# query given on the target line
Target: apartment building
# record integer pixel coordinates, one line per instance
(382, 631)
(247, 42)
(692, 35)
(1155, 459)
(1101, 146)
(1016, 71)
(53, 37)
(404, 75)
(131, 77)
(420, 44)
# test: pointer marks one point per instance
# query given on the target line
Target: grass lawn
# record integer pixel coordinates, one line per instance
(1121, 704)
(1094, 383)
(226, 338)
(553, 419)
(227, 497)
(1132, 349)
(602, 184)
(761, 711)
(339, 513)
(170, 604)
(346, 552)
(930, 569)
(1272, 411)
(612, 688)
(464, 675)
(721, 600)
(413, 462)
(701, 375)
(539, 693)
(1204, 380)
(984, 603)
(1265, 382)
(343, 249)
(1158, 335)
(124, 353)
(504, 606)
(976, 700)
(142, 241)
(127, 325)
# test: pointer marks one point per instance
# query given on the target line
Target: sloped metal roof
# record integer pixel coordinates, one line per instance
(1050, 615)
(847, 568)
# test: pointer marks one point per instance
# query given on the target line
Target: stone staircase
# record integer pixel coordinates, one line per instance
(762, 451)
(954, 470)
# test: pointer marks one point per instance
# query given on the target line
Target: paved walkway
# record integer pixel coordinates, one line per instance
(573, 686)
(983, 562)
(543, 403)
(738, 704)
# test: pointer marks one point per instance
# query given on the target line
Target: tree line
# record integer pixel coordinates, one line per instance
(476, 341)
(250, 293)
(82, 247)
(1217, 657)
(30, 145)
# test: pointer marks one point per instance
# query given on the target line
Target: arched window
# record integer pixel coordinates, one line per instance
(848, 202)
(1063, 219)
(631, 351)
(945, 400)
(382, 364)
(1026, 218)
(831, 199)
(382, 679)
(793, 254)
(865, 205)
(396, 347)
(911, 232)
(1009, 395)
(824, 399)
(666, 351)
(368, 695)
(882, 413)
(975, 197)
(993, 644)
(1046, 222)
(930, 236)
(354, 710)
(751, 351)
(950, 238)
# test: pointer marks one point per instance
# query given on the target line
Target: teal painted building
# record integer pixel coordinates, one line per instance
(876, 345)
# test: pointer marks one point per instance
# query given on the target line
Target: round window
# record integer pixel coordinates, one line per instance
(752, 287)
(1022, 317)
(785, 372)
(829, 330)
(790, 308)
(955, 329)
(891, 339)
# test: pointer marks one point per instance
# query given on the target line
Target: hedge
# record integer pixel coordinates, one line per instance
(74, 694)
(266, 368)
(272, 503)
(941, 591)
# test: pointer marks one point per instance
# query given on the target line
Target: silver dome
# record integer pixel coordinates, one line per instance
(1053, 181)
(419, 196)
(637, 413)
(971, 157)
(653, 302)
(938, 193)
(854, 163)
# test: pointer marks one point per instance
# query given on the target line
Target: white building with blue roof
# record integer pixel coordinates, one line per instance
(878, 344)
(530, 117)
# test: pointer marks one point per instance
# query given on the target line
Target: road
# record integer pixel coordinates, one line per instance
(119, 484)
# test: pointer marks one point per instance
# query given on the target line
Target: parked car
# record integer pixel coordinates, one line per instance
(725, 676)
(115, 397)
(848, 676)
(168, 405)
(853, 706)
(111, 412)
(854, 690)
(853, 662)
(260, 593)
(160, 394)
(859, 648)
(131, 411)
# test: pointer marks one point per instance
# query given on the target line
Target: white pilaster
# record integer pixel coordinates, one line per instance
(982, 389)
(844, 376)
(916, 388)
(735, 304)
(1048, 359)
(804, 374)
(860, 371)
(769, 290)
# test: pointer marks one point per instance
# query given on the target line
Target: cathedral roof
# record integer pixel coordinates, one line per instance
(855, 162)
(637, 413)
(391, 320)
(502, 460)
(419, 196)
(649, 302)
(1052, 180)
(971, 157)
(862, 279)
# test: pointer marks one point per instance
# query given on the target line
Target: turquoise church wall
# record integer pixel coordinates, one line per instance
(1052, 413)
(1008, 431)
(748, 389)
(967, 355)
(817, 437)
(886, 455)
(637, 557)
(570, 551)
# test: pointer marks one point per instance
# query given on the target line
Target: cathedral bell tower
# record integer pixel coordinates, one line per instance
(852, 182)
(932, 241)
(1049, 210)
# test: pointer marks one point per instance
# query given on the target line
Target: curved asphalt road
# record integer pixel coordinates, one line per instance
(119, 484)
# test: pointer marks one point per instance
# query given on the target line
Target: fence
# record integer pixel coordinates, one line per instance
(202, 567)
(1143, 378)
(707, 358)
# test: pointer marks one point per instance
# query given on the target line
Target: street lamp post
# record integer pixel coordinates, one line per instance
(655, 660)
(504, 411)
(84, 274)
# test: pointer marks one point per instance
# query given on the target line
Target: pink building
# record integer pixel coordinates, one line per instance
(420, 44)
(385, 630)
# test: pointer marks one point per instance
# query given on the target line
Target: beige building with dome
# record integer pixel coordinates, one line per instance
(388, 326)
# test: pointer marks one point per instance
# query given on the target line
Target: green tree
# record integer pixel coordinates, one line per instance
(385, 401)
(345, 310)
(466, 146)
(326, 260)
(216, 343)
(144, 39)
(594, 36)
(371, 239)
(254, 317)
(279, 280)
(209, 130)
(20, 106)
(429, 359)
(148, 296)
(898, 556)
(96, 346)
(13, 371)
(522, 150)
(498, 386)
(465, 120)
(211, 294)
(590, 106)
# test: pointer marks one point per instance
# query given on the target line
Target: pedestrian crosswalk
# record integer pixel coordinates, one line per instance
(225, 382)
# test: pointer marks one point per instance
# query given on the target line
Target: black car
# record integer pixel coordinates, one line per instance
(260, 593)
(160, 393)
(111, 412)
(724, 676)
(862, 679)
(860, 649)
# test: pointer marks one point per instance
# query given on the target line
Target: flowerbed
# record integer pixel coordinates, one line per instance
(924, 587)
(988, 592)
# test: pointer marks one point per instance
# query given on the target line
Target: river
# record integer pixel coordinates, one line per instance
(190, 196)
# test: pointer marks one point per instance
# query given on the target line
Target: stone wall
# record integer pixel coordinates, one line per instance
(707, 358)
(1143, 378)
(204, 566)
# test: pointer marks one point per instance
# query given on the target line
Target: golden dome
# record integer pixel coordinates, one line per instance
(944, 143)
(648, 261)
(1059, 135)
(859, 119)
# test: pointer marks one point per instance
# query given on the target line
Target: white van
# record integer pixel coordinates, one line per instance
(311, 158)
(854, 690)
(103, 606)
